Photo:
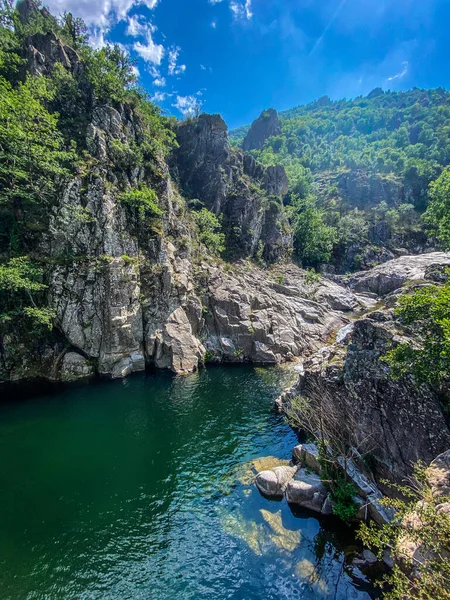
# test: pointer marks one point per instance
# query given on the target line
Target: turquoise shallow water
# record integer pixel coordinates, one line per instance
(138, 489)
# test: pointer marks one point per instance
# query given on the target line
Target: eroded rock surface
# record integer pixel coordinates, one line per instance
(266, 125)
(397, 422)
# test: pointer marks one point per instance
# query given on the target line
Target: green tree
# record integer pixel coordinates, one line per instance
(20, 290)
(438, 212)
(110, 72)
(427, 312)
(32, 158)
(313, 239)
(209, 228)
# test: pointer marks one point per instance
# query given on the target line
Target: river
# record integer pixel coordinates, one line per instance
(141, 489)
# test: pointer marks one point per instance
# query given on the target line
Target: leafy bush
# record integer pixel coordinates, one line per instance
(438, 212)
(424, 573)
(209, 228)
(427, 311)
(143, 201)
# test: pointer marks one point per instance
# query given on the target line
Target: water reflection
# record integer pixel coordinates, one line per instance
(144, 489)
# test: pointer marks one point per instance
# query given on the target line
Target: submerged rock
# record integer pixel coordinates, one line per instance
(287, 539)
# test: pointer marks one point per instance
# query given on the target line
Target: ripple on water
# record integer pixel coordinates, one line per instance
(143, 488)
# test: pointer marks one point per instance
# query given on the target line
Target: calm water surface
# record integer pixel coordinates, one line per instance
(140, 489)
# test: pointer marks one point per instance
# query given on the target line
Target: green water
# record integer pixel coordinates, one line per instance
(130, 490)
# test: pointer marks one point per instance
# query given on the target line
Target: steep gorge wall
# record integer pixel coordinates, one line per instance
(128, 294)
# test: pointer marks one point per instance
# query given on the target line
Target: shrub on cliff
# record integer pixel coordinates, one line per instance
(427, 312)
(438, 212)
(419, 540)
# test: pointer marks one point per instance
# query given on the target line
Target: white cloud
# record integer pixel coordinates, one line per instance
(213, 24)
(135, 71)
(160, 82)
(158, 97)
(99, 15)
(173, 68)
(136, 27)
(402, 73)
(215, 1)
(150, 52)
(188, 106)
(241, 10)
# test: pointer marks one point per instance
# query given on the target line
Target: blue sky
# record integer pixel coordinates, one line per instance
(237, 57)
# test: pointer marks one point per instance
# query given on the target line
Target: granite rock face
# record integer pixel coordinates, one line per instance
(273, 482)
(234, 185)
(251, 316)
(398, 422)
(391, 276)
(266, 125)
(307, 490)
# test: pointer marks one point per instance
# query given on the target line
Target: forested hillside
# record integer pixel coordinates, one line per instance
(361, 169)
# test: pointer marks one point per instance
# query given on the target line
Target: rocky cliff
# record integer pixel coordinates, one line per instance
(398, 422)
(265, 126)
(128, 292)
(234, 185)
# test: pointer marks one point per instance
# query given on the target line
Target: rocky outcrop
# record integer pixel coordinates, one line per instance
(397, 422)
(233, 185)
(266, 125)
(250, 315)
(307, 490)
(391, 276)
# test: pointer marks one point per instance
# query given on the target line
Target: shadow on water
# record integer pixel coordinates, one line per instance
(143, 488)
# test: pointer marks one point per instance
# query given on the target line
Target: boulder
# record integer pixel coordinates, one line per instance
(438, 475)
(273, 482)
(74, 367)
(306, 490)
(308, 456)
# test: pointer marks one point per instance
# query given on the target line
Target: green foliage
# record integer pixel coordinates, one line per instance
(19, 274)
(32, 160)
(40, 317)
(313, 238)
(424, 574)
(427, 312)
(438, 212)
(143, 201)
(210, 234)
(20, 285)
(312, 277)
(342, 496)
(344, 152)
(110, 72)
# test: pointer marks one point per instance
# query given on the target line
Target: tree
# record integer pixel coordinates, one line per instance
(20, 281)
(110, 71)
(209, 227)
(438, 212)
(427, 312)
(313, 239)
(32, 158)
